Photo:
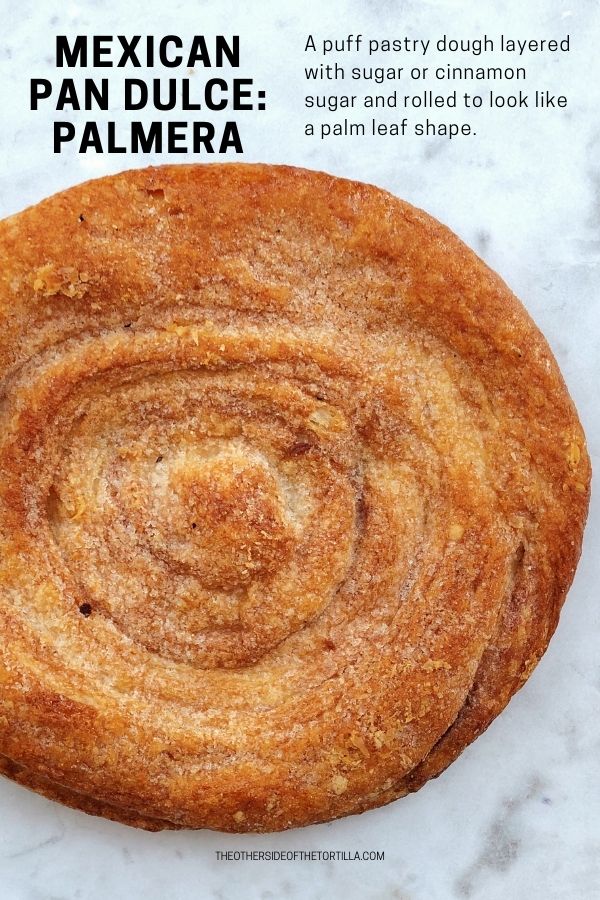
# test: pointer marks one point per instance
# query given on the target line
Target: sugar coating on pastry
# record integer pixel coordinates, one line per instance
(291, 494)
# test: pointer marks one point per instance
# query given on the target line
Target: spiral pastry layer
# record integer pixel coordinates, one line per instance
(291, 493)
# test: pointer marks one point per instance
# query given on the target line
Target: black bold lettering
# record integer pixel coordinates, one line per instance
(159, 100)
(204, 133)
(231, 138)
(90, 138)
(95, 93)
(63, 133)
(198, 52)
(100, 50)
(142, 87)
(162, 51)
(147, 142)
(75, 56)
(129, 54)
(239, 93)
(39, 89)
(223, 49)
(176, 134)
(67, 95)
(209, 100)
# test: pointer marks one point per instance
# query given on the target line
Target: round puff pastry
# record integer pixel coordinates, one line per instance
(291, 492)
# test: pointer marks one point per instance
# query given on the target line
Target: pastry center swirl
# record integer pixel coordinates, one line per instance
(219, 516)
(206, 517)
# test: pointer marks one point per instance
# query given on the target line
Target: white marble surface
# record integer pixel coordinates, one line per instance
(518, 815)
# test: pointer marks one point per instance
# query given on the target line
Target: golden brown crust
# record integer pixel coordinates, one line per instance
(71, 798)
(291, 493)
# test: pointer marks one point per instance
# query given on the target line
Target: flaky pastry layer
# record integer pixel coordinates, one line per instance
(291, 493)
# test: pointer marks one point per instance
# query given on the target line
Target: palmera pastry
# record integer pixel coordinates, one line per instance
(291, 493)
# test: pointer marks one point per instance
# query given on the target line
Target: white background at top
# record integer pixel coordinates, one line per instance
(518, 815)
